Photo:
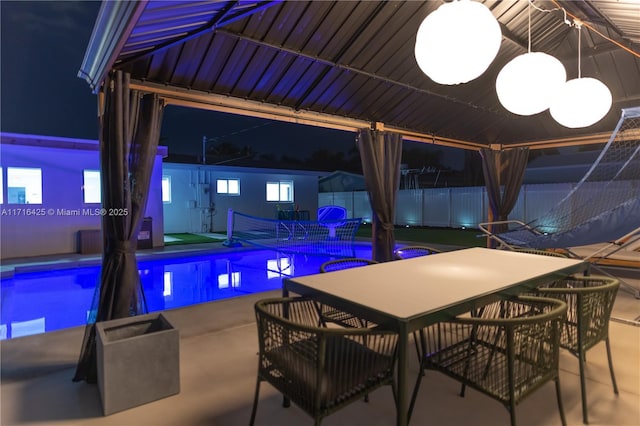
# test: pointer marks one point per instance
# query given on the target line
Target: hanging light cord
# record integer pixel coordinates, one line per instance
(578, 24)
(577, 21)
(529, 10)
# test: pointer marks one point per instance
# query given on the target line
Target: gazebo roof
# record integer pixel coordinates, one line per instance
(349, 65)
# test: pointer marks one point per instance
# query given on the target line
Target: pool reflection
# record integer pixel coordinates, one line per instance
(46, 301)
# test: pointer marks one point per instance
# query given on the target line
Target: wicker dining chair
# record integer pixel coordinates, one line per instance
(413, 251)
(590, 302)
(319, 369)
(330, 314)
(540, 252)
(506, 349)
(345, 263)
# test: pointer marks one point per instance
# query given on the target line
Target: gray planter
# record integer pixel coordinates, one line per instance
(138, 361)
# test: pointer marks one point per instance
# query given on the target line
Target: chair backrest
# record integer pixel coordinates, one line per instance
(346, 263)
(540, 252)
(413, 251)
(590, 302)
(320, 369)
(519, 334)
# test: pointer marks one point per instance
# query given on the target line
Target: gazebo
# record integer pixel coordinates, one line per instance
(343, 65)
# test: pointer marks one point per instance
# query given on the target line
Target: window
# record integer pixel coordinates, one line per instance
(278, 268)
(233, 279)
(166, 189)
(91, 186)
(280, 191)
(167, 290)
(228, 186)
(24, 185)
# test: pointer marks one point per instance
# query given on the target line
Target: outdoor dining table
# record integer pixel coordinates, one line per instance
(407, 295)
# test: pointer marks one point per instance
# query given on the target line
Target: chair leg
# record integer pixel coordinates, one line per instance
(559, 398)
(512, 412)
(583, 388)
(255, 403)
(416, 388)
(286, 402)
(422, 344)
(613, 376)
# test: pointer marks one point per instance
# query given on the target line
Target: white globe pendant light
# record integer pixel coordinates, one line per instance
(457, 42)
(581, 102)
(528, 84)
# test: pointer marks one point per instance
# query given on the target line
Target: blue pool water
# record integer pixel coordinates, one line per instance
(38, 302)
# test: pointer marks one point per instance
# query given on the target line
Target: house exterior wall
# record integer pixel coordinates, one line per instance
(197, 207)
(52, 227)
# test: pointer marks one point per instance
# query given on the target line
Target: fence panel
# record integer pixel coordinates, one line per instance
(409, 207)
(436, 207)
(458, 207)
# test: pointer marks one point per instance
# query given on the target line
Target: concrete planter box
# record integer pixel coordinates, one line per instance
(138, 361)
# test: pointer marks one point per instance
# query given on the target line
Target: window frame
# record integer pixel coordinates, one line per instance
(227, 182)
(11, 170)
(162, 192)
(84, 186)
(281, 185)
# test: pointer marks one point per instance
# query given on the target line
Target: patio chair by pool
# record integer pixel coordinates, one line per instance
(332, 315)
(413, 251)
(506, 349)
(319, 369)
(590, 302)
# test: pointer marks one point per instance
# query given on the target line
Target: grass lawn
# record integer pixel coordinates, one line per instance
(190, 239)
(448, 236)
(424, 235)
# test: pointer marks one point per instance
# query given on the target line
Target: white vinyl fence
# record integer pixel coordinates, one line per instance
(450, 207)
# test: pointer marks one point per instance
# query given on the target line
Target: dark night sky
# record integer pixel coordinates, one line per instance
(42, 48)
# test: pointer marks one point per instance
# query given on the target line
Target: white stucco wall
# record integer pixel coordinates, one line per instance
(52, 227)
(196, 207)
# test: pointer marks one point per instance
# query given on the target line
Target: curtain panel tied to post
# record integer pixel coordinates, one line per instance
(129, 133)
(380, 153)
(503, 175)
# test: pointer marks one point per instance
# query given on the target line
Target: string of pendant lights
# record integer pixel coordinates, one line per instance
(458, 41)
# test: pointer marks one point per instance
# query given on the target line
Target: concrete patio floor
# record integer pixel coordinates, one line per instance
(218, 361)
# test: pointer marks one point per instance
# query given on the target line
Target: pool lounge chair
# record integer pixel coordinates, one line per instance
(623, 252)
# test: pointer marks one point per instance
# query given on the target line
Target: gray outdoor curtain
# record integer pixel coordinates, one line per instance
(503, 174)
(129, 134)
(380, 153)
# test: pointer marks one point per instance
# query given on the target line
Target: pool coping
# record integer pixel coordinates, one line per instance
(10, 267)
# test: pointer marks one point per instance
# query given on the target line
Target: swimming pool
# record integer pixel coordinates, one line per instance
(38, 302)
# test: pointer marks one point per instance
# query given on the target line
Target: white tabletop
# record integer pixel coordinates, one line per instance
(417, 286)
